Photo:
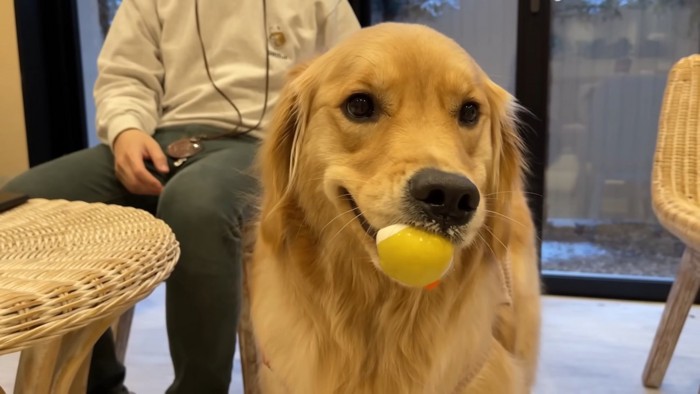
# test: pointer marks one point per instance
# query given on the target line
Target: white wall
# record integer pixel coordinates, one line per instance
(13, 136)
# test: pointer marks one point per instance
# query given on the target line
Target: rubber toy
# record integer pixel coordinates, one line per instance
(412, 256)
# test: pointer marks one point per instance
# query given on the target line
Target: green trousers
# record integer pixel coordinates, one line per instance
(204, 202)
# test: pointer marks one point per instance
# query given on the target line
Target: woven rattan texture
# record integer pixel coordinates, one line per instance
(65, 264)
(676, 172)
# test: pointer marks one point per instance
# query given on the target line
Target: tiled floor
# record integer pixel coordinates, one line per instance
(589, 346)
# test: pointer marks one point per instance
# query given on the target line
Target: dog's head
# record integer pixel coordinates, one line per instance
(397, 124)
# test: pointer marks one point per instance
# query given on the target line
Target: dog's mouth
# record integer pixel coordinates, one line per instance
(371, 231)
(453, 234)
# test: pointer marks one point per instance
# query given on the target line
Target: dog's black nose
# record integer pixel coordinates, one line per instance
(448, 198)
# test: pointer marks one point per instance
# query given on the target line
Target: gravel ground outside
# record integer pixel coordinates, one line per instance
(610, 248)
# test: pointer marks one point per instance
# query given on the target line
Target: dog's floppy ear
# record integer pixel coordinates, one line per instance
(277, 156)
(507, 158)
(508, 169)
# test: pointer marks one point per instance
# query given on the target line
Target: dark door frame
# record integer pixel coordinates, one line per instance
(532, 91)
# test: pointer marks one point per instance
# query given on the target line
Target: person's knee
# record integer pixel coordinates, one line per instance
(208, 222)
(207, 210)
(34, 184)
(86, 175)
(17, 184)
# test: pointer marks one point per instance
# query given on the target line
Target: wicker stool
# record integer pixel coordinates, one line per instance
(67, 271)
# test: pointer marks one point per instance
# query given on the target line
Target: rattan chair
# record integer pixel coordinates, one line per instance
(676, 203)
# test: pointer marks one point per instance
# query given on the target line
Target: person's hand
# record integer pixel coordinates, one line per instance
(131, 148)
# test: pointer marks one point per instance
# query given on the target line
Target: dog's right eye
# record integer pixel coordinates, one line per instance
(359, 106)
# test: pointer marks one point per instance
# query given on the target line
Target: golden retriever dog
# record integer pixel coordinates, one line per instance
(396, 124)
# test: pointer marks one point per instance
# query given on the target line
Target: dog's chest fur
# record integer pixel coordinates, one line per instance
(351, 331)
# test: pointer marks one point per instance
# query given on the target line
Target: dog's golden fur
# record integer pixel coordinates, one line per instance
(326, 319)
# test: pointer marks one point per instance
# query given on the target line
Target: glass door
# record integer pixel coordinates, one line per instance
(609, 61)
(486, 29)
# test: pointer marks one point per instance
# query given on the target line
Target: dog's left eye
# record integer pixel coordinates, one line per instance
(469, 114)
(359, 106)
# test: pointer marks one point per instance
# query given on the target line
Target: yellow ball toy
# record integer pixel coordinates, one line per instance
(412, 256)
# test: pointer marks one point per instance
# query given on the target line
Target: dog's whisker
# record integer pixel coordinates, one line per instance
(343, 228)
(337, 217)
(488, 211)
(496, 238)
(481, 237)
(512, 191)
